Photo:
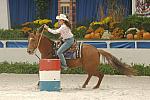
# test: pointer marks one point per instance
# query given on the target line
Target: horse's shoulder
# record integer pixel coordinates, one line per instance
(88, 46)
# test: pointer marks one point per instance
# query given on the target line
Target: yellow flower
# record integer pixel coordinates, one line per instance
(92, 23)
(106, 20)
(42, 21)
(81, 28)
(56, 25)
(47, 21)
(96, 23)
(36, 21)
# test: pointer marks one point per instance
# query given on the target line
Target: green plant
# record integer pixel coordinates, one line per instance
(26, 68)
(142, 70)
(41, 8)
(79, 32)
(18, 68)
(11, 34)
(135, 21)
(106, 69)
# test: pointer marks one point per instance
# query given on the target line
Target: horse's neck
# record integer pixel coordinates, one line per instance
(45, 47)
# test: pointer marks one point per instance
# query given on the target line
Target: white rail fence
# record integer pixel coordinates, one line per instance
(129, 52)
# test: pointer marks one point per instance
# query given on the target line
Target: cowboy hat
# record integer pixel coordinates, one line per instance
(62, 16)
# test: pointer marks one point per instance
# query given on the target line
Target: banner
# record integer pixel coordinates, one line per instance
(4, 16)
(143, 7)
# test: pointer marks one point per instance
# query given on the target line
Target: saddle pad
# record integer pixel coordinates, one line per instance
(74, 54)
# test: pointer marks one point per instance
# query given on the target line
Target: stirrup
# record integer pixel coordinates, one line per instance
(65, 68)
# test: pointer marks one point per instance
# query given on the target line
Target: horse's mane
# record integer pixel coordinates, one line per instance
(51, 41)
(40, 30)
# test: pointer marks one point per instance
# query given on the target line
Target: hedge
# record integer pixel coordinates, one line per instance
(26, 68)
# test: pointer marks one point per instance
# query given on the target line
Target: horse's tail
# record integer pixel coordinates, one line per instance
(115, 63)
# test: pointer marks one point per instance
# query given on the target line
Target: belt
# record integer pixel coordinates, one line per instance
(68, 38)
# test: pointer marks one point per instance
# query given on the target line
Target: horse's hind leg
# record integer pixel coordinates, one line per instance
(100, 76)
(87, 80)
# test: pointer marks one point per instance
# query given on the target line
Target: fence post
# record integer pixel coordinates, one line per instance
(49, 74)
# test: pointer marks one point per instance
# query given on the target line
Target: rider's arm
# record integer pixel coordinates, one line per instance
(55, 31)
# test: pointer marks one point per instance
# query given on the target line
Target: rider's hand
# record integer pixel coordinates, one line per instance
(45, 26)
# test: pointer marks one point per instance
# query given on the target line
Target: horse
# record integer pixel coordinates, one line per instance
(89, 61)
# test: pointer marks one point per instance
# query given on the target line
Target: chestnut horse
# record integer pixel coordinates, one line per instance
(89, 61)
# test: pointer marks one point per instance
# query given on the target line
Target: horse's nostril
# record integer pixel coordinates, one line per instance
(28, 51)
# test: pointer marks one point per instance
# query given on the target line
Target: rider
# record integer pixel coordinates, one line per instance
(67, 37)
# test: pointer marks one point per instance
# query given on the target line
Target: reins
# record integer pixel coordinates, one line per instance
(39, 43)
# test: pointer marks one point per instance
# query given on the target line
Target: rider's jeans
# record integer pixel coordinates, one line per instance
(66, 45)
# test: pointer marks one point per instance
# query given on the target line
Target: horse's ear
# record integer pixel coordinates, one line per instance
(29, 33)
(34, 32)
(40, 29)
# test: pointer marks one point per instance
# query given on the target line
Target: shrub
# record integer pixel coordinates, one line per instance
(18, 68)
(135, 21)
(26, 68)
(142, 70)
(11, 35)
(79, 32)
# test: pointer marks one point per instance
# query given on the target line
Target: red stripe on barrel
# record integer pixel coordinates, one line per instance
(49, 64)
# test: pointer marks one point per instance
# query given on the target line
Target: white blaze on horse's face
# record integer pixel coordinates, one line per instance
(32, 43)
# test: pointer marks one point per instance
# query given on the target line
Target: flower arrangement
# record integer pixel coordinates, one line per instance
(97, 34)
(97, 28)
(117, 33)
(103, 22)
(80, 31)
(81, 28)
(30, 26)
(42, 21)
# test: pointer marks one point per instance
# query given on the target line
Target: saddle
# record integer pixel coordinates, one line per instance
(72, 48)
(73, 52)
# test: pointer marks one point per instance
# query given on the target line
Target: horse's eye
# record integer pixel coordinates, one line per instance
(31, 39)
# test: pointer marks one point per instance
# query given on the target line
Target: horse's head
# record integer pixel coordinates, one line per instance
(33, 40)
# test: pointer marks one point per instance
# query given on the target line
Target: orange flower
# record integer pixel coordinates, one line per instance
(26, 29)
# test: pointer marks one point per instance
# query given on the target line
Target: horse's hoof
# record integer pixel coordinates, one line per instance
(83, 86)
(38, 83)
(96, 87)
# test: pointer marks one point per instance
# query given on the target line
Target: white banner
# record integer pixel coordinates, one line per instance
(141, 7)
(4, 14)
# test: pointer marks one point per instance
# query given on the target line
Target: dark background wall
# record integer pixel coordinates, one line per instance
(86, 11)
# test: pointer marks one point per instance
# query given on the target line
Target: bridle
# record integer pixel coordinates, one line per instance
(38, 43)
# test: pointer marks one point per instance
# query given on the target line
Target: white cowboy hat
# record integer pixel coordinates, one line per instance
(62, 16)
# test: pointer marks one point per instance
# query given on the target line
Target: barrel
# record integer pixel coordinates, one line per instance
(49, 72)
